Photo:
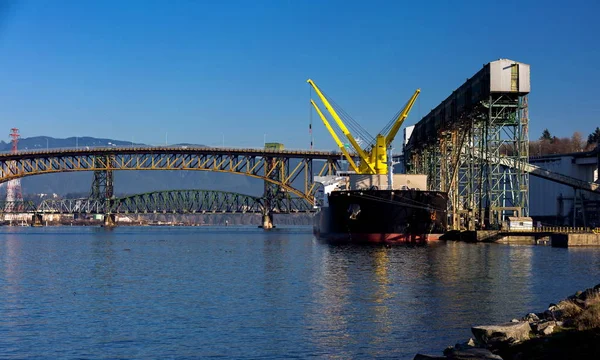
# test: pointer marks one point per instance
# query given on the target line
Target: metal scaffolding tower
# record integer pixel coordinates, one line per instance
(14, 193)
(475, 146)
(272, 192)
(102, 186)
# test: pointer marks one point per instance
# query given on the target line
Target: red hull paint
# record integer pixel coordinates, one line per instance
(386, 239)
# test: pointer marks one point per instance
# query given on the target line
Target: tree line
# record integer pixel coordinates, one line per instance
(548, 144)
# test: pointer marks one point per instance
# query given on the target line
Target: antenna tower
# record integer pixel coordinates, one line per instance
(13, 188)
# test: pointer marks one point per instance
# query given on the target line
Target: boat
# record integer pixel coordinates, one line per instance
(368, 203)
(373, 216)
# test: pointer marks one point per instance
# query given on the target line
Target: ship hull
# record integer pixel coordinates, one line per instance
(382, 217)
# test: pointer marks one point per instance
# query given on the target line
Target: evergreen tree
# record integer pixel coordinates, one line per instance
(594, 137)
(546, 135)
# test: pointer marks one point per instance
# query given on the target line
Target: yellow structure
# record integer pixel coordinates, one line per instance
(373, 160)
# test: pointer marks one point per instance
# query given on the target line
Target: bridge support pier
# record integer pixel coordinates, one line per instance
(267, 221)
(274, 169)
(110, 220)
(102, 186)
(36, 220)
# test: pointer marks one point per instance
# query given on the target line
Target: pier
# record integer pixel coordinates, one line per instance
(553, 236)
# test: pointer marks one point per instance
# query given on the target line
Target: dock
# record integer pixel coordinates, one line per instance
(553, 236)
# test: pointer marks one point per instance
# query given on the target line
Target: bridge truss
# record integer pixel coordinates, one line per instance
(292, 171)
(165, 202)
(177, 202)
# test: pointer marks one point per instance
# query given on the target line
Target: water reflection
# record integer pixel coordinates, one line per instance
(383, 320)
(97, 300)
(103, 257)
(355, 285)
(168, 293)
(275, 290)
(11, 299)
(329, 318)
(478, 278)
(12, 262)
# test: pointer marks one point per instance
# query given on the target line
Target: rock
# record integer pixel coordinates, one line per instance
(428, 357)
(541, 326)
(548, 330)
(540, 315)
(583, 295)
(531, 317)
(473, 354)
(549, 314)
(509, 332)
(461, 346)
(597, 287)
(589, 294)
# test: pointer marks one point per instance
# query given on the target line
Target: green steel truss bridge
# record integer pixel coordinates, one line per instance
(166, 202)
(289, 172)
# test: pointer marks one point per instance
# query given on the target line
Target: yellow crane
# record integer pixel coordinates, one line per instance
(373, 159)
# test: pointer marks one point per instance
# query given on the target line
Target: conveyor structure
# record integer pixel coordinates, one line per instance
(488, 114)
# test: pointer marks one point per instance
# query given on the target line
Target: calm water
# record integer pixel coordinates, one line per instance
(243, 293)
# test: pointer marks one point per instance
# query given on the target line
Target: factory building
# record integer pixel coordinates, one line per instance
(557, 204)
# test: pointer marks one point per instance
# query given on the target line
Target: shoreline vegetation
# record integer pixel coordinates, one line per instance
(569, 329)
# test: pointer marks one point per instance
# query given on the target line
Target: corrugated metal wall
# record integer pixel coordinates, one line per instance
(543, 194)
(509, 76)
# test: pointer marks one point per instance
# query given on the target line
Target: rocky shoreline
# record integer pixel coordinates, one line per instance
(569, 329)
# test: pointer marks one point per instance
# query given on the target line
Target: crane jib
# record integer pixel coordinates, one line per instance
(373, 159)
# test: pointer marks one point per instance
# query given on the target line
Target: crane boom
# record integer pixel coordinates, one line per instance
(335, 137)
(363, 156)
(403, 115)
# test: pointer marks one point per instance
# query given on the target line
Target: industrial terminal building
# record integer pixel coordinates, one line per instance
(557, 204)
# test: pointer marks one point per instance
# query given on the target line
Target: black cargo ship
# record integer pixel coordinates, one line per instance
(382, 216)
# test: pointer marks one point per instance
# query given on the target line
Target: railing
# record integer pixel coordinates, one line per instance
(558, 229)
(188, 148)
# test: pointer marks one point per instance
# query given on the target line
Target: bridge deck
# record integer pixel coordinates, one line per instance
(24, 154)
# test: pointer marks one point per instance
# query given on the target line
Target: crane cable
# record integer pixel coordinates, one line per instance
(356, 128)
(351, 123)
(389, 125)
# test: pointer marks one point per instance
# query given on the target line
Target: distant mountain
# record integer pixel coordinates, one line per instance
(41, 142)
(126, 182)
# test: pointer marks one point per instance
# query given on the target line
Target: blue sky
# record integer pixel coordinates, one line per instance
(201, 71)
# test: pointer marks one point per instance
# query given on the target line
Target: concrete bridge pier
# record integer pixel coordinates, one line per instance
(110, 220)
(36, 220)
(267, 221)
